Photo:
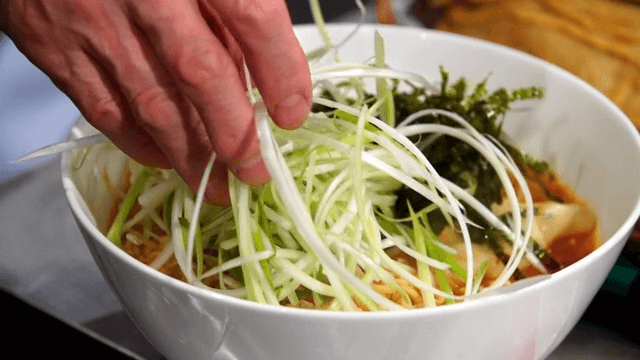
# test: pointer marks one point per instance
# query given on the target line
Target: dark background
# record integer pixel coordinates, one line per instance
(301, 13)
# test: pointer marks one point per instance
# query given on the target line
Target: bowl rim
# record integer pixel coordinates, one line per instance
(619, 235)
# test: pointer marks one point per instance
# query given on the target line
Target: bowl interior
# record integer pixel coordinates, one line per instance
(586, 138)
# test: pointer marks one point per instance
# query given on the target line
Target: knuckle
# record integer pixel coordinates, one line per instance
(199, 65)
(153, 109)
(106, 113)
(252, 13)
(105, 108)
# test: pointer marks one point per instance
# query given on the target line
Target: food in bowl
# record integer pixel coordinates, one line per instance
(405, 196)
(590, 142)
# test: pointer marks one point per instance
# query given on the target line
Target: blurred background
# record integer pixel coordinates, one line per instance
(48, 277)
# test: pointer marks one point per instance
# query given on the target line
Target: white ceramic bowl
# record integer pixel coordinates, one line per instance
(591, 143)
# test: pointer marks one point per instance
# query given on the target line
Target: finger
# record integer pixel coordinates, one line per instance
(92, 91)
(217, 192)
(92, 57)
(95, 98)
(63, 57)
(204, 71)
(227, 40)
(273, 54)
(156, 103)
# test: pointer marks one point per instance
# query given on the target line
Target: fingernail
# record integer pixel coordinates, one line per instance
(291, 112)
(292, 100)
(253, 171)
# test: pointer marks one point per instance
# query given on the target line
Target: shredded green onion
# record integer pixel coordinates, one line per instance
(322, 230)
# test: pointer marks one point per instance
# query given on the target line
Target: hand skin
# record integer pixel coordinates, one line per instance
(164, 79)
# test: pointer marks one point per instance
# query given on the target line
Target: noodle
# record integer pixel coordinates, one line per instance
(567, 250)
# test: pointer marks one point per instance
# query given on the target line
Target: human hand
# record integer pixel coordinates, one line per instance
(164, 79)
